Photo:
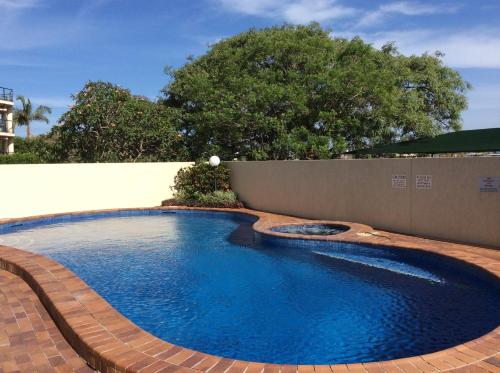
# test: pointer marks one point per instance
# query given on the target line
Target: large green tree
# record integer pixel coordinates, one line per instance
(293, 92)
(24, 115)
(108, 124)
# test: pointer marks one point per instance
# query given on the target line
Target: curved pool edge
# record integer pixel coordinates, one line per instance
(109, 342)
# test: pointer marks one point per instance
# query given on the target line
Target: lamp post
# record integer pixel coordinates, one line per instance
(214, 161)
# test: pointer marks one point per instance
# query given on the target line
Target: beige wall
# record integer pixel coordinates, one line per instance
(50, 188)
(361, 191)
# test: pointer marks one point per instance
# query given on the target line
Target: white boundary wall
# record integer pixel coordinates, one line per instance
(51, 188)
(453, 208)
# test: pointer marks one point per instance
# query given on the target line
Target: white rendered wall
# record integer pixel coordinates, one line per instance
(52, 188)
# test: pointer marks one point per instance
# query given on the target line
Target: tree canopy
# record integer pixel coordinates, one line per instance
(108, 124)
(294, 92)
(284, 92)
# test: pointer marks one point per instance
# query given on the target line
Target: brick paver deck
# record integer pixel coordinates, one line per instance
(29, 339)
(111, 343)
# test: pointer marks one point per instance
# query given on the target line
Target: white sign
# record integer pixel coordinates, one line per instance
(399, 181)
(489, 184)
(424, 181)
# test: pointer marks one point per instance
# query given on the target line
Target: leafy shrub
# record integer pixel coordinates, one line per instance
(219, 198)
(41, 146)
(201, 179)
(195, 186)
(20, 158)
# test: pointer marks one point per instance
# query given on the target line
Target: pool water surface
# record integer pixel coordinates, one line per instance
(206, 281)
(312, 229)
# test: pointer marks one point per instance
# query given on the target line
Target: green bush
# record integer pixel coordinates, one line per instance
(40, 146)
(20, 158)
(203, 186)
(218, 198)
(201, 179)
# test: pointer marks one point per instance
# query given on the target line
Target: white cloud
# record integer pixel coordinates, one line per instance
(18, 4)
(474, 48)
(305, 11)
(48, 30)
(405, 8)
(252, 7)
(294, 11)
(412, 8)
(319, 10)
(41, 33)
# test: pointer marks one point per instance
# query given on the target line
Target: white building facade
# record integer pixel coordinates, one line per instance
(6, 121)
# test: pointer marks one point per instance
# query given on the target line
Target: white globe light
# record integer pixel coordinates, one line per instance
(214, 161)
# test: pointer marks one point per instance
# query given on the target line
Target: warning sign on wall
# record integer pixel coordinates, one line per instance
(489, 184)
(424, 181)
(399, 181)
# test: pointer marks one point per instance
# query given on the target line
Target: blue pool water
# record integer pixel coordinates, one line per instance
(312, 229)
(205, 281)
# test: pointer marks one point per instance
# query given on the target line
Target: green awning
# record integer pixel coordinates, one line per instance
(473, 141)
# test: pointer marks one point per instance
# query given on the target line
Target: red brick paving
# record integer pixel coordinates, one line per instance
(29, 339)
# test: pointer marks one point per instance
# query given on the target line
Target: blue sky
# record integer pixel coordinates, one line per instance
(50, 48)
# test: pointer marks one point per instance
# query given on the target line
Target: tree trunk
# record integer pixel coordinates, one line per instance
(28, 132)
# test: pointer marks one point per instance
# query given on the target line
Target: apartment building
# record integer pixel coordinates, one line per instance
(6, 121)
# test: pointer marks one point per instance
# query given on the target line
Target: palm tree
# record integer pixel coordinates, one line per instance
(24, 115)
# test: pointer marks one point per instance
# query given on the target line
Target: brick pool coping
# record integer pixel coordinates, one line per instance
(109, 342)
(29, 339)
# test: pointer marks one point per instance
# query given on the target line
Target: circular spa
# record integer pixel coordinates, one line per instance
(207, 281)
(312, 229)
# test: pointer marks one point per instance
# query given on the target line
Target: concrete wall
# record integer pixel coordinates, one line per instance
(50, 188)
(361, 191)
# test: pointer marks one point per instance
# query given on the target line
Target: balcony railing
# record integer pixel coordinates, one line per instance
(6, 94)
(3, 126)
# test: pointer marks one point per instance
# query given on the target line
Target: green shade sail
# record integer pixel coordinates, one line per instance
(483, 140)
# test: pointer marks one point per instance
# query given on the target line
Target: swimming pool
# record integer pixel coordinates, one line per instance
(312, 229)
(207, 282)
